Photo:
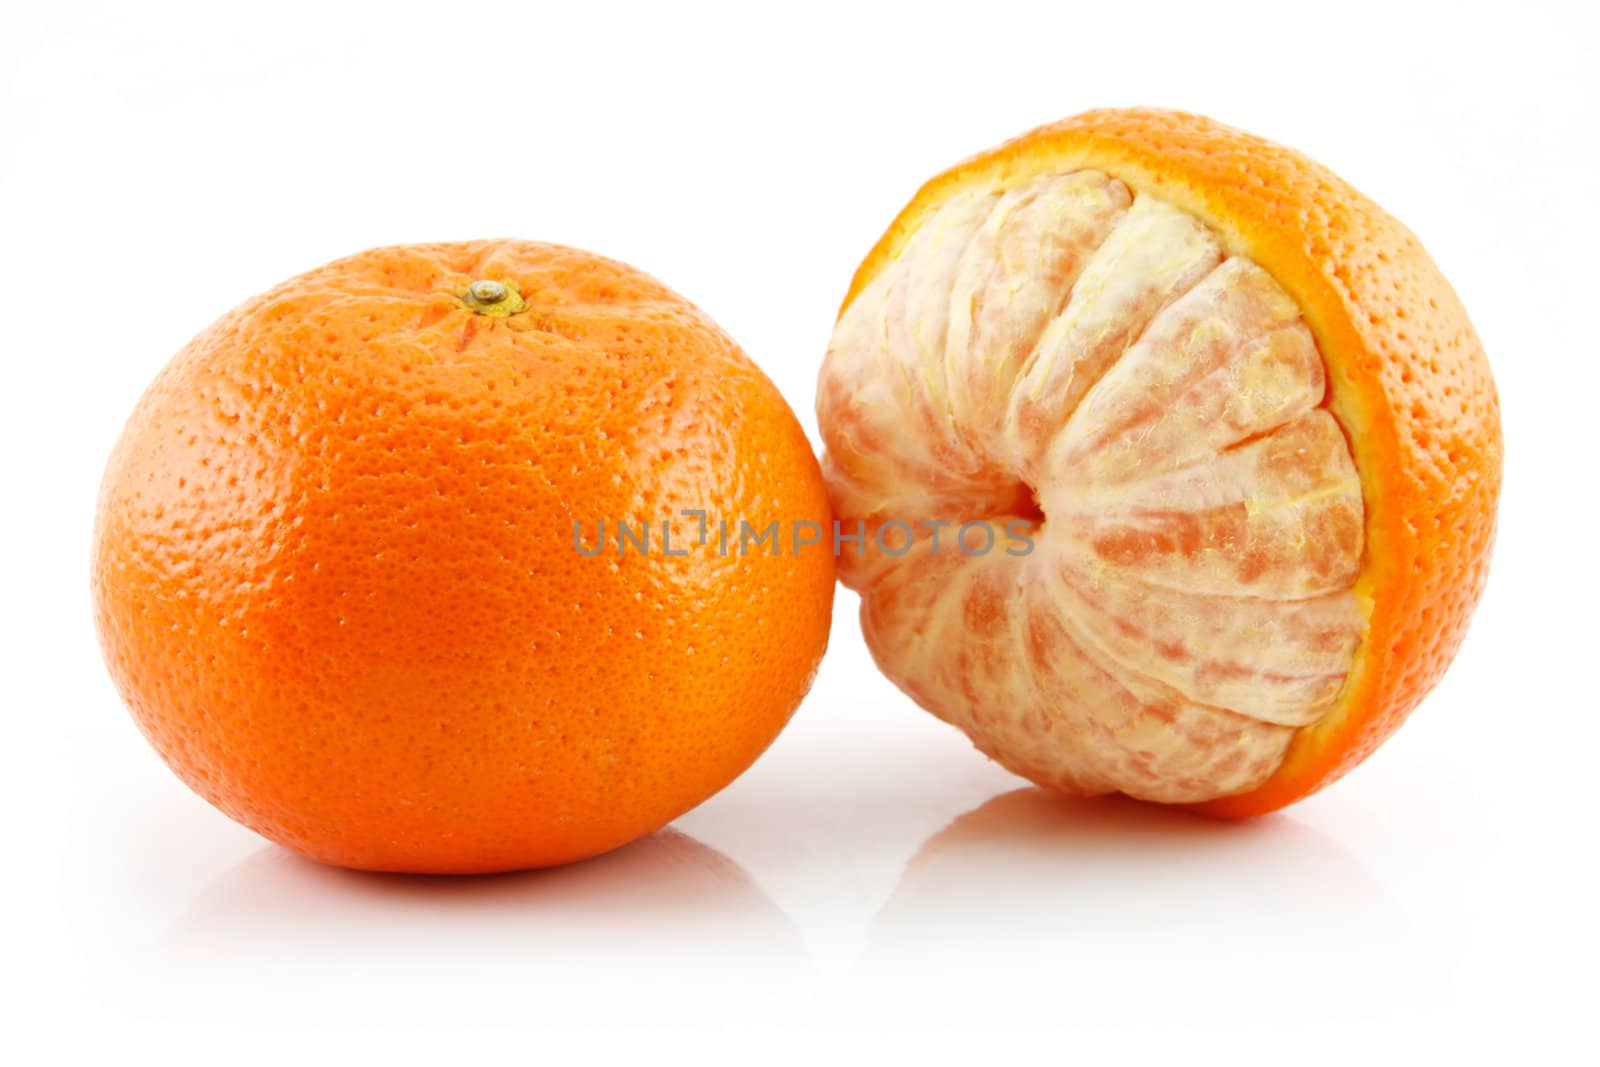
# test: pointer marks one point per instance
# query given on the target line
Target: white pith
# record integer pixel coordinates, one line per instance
(1188, 603)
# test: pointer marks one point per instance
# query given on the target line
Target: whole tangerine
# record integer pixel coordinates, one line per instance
(402, 564)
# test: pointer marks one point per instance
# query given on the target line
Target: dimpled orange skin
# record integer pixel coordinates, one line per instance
(1407, 377)
(335, 577)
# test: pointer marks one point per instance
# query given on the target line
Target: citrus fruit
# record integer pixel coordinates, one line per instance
(360, 571)
(1241, 429)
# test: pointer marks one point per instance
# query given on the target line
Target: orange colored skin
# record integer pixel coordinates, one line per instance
(1408, 382)
(335, 578)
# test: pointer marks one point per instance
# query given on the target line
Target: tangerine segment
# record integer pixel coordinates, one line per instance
(1190, 600)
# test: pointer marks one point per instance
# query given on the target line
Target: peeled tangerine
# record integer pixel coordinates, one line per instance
(1253, 432)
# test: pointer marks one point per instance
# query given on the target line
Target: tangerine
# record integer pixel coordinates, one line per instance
(1251, 424)
(345, 571)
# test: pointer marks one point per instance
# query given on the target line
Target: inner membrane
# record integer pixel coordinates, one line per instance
(1072, 348)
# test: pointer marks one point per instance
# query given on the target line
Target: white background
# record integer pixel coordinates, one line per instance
(872, 885)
